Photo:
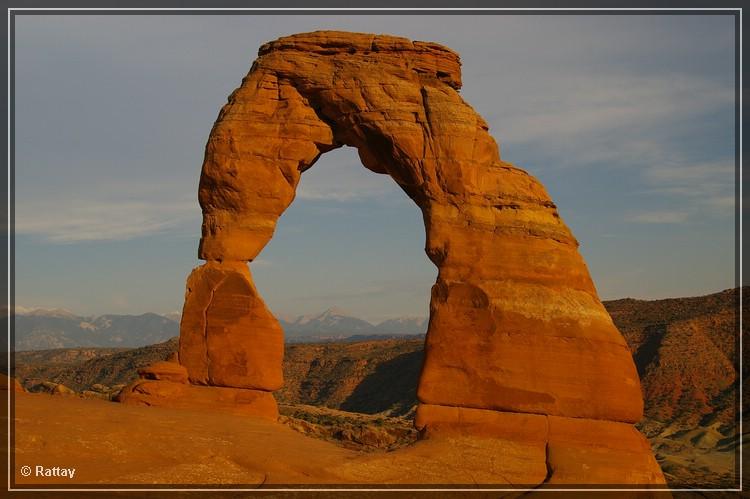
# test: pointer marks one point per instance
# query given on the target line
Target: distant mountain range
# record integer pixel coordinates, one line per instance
(336, 324)
(41, 329)
(44, 329)
(662, 334)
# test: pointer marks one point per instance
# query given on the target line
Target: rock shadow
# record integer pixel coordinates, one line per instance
(392, 387)
(649, 350)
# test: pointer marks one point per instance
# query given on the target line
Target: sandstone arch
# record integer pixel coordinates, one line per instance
(517, 335)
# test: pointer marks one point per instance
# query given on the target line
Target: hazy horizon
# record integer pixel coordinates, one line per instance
(288, 317)
(628, 121)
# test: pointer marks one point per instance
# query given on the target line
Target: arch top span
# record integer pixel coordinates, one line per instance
(423, 57)
(394, 100)
(518, 342)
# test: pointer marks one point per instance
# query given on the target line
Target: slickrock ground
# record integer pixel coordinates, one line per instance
(111, 443)
(118, 443)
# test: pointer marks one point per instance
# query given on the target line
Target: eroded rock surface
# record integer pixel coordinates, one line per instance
(514, 307)
(164, 370)
(574, 450)
(516, 326)
(228, 337)
(212, 398)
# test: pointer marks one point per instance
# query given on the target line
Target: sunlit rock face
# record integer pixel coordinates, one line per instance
(516, 326)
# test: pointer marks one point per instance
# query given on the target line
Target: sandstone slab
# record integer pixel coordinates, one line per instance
(185, 396)
(161, 370)
(600, 452)
(228, 337)
(570, 450)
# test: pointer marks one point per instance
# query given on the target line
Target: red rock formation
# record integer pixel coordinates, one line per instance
(227, 335)
(575, 450)
(515, 322)
(186, 396)
(166, 384)
(165, 371)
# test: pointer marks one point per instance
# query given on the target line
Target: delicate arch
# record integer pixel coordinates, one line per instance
(519, 348)
(515, 322)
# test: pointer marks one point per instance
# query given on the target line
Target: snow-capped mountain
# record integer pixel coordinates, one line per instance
(336, 322)
(403, 325)
(38, 329)
(42, 312)
(332, 321)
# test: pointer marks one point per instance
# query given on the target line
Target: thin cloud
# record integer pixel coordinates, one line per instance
(706, 186)
(590, 119)
(659, 217)
(723, 202)
(699, 172)
(99, 220)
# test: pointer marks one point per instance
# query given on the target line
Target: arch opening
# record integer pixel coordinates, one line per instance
(351, 240)
(347, 265)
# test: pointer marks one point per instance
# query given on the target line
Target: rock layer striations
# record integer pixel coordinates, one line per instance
(516, 326)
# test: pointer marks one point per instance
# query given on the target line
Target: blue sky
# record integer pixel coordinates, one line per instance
(627, 120)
